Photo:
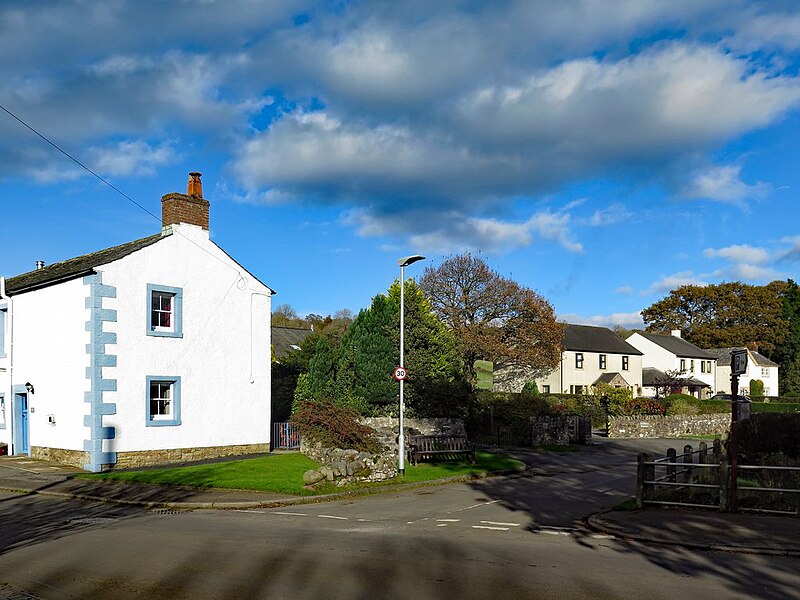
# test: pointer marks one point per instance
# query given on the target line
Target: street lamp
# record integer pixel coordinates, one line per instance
(403, 263)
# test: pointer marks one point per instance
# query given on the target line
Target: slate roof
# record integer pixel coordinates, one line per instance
(75, 267)
(610, 378)
(587, 338)
(652, 377)
(284, 338)
(724, 357)
(677, 346)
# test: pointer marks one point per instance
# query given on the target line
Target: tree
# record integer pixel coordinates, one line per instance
(493, 317)
(787, 353)
(723, 315)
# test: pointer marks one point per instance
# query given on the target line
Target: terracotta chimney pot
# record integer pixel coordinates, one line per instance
(195, 187)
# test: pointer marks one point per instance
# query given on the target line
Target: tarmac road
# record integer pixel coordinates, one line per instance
(509, 537)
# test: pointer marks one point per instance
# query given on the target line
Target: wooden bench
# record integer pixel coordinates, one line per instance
(439, 447)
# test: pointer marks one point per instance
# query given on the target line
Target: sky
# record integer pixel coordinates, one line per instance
(601, 153)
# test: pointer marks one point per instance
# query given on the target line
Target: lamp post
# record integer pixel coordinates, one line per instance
(401, 452)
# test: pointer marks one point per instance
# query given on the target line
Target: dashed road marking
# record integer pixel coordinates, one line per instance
(442, 524)
(490, 527)
(332, 517)
(500, 523)
(476, 506)
(290, 514)
(364, 520)
(447, 520)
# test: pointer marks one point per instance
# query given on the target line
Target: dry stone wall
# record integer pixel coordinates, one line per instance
(670, 426)
(347, 466)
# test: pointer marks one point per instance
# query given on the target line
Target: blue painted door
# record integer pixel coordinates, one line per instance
(21, 441)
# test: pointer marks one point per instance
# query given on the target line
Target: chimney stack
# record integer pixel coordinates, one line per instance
(39, 265)
(188, 208)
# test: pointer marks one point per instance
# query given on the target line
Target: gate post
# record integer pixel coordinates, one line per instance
(644, 475)
(723, 481)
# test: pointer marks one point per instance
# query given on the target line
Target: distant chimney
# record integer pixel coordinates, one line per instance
(39, 265)
(675, 333)
(188, 208)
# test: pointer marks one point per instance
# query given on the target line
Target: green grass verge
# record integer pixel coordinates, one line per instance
(278, 473)
(283, 473)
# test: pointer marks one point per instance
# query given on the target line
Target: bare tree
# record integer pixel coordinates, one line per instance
(493, 316)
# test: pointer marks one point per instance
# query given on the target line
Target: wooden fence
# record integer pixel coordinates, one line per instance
(701, 479)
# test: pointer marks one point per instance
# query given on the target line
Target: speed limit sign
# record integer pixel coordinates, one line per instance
(400, 373)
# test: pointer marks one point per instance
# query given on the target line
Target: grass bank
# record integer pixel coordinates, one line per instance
(283, 473)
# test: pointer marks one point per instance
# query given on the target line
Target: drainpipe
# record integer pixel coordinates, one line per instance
(10, 316)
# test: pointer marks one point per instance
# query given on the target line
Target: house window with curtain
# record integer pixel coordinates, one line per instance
(164, 311)
(579, 360)
(603, 362)
(625, 363)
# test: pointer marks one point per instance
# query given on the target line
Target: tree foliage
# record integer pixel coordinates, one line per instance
(723, 315)
(787, 354)
(492, 316)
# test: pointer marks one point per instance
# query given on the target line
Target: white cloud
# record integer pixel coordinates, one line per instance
(132, 157)
(624, 289)
(669, 282)
(629, 320)
(614, 213)
(724, 184)
(739, 253)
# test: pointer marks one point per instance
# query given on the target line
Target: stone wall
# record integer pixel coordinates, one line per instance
(671, 426)
(561, 431)
(348, 466)
(388, 428)
(75, 458)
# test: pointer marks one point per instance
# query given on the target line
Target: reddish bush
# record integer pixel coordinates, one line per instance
(334, 426)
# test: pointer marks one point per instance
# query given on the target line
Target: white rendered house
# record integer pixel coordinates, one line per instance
(593, 355)
(758, 367)
(662, 353)
(154, 351)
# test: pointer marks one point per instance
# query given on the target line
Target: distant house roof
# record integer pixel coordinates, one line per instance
(287, 339)
(652, 377)
(587, 338)
(614, 379)
(75, 267)
(677, 346)
(724, 357)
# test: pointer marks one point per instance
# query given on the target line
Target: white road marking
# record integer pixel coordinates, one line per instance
(291, 514)
(488, 527)
(551, 532)
(364, 520)
(447, 520)
(332, 517)
(500, 523)
(442, 524)
(476, 506)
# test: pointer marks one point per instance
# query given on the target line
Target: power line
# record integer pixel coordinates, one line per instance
(76, 161)
(106, 182)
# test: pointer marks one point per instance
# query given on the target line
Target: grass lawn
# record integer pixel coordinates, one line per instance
(283, 473)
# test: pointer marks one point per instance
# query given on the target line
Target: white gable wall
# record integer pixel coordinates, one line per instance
(223, 358)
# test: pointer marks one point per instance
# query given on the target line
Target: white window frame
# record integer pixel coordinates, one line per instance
(603, 362)
(579, 360)
(625, 363)
(173, 385)
(176, 321)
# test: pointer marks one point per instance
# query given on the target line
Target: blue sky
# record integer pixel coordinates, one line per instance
(599, 156)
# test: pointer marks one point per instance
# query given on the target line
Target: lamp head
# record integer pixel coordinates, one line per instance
(407, 260)
(29, 387)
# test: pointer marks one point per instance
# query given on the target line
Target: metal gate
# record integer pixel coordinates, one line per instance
(285, 435)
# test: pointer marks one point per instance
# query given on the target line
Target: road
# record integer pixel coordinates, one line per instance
(511, 537)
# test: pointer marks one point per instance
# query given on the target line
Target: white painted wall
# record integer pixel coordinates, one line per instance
(657, 357)
(754, 371)
(591, 371)
(223, 358)
(50, 352)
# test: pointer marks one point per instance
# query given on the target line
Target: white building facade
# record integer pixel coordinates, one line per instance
(759, 367)
(671, 353)
(151, 352)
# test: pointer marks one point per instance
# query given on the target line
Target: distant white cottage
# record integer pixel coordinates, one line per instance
(151, 352)
(671, 353)
(758, 367)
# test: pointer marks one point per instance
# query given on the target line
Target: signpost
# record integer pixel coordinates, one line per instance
(738, 367)
(400, 373)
